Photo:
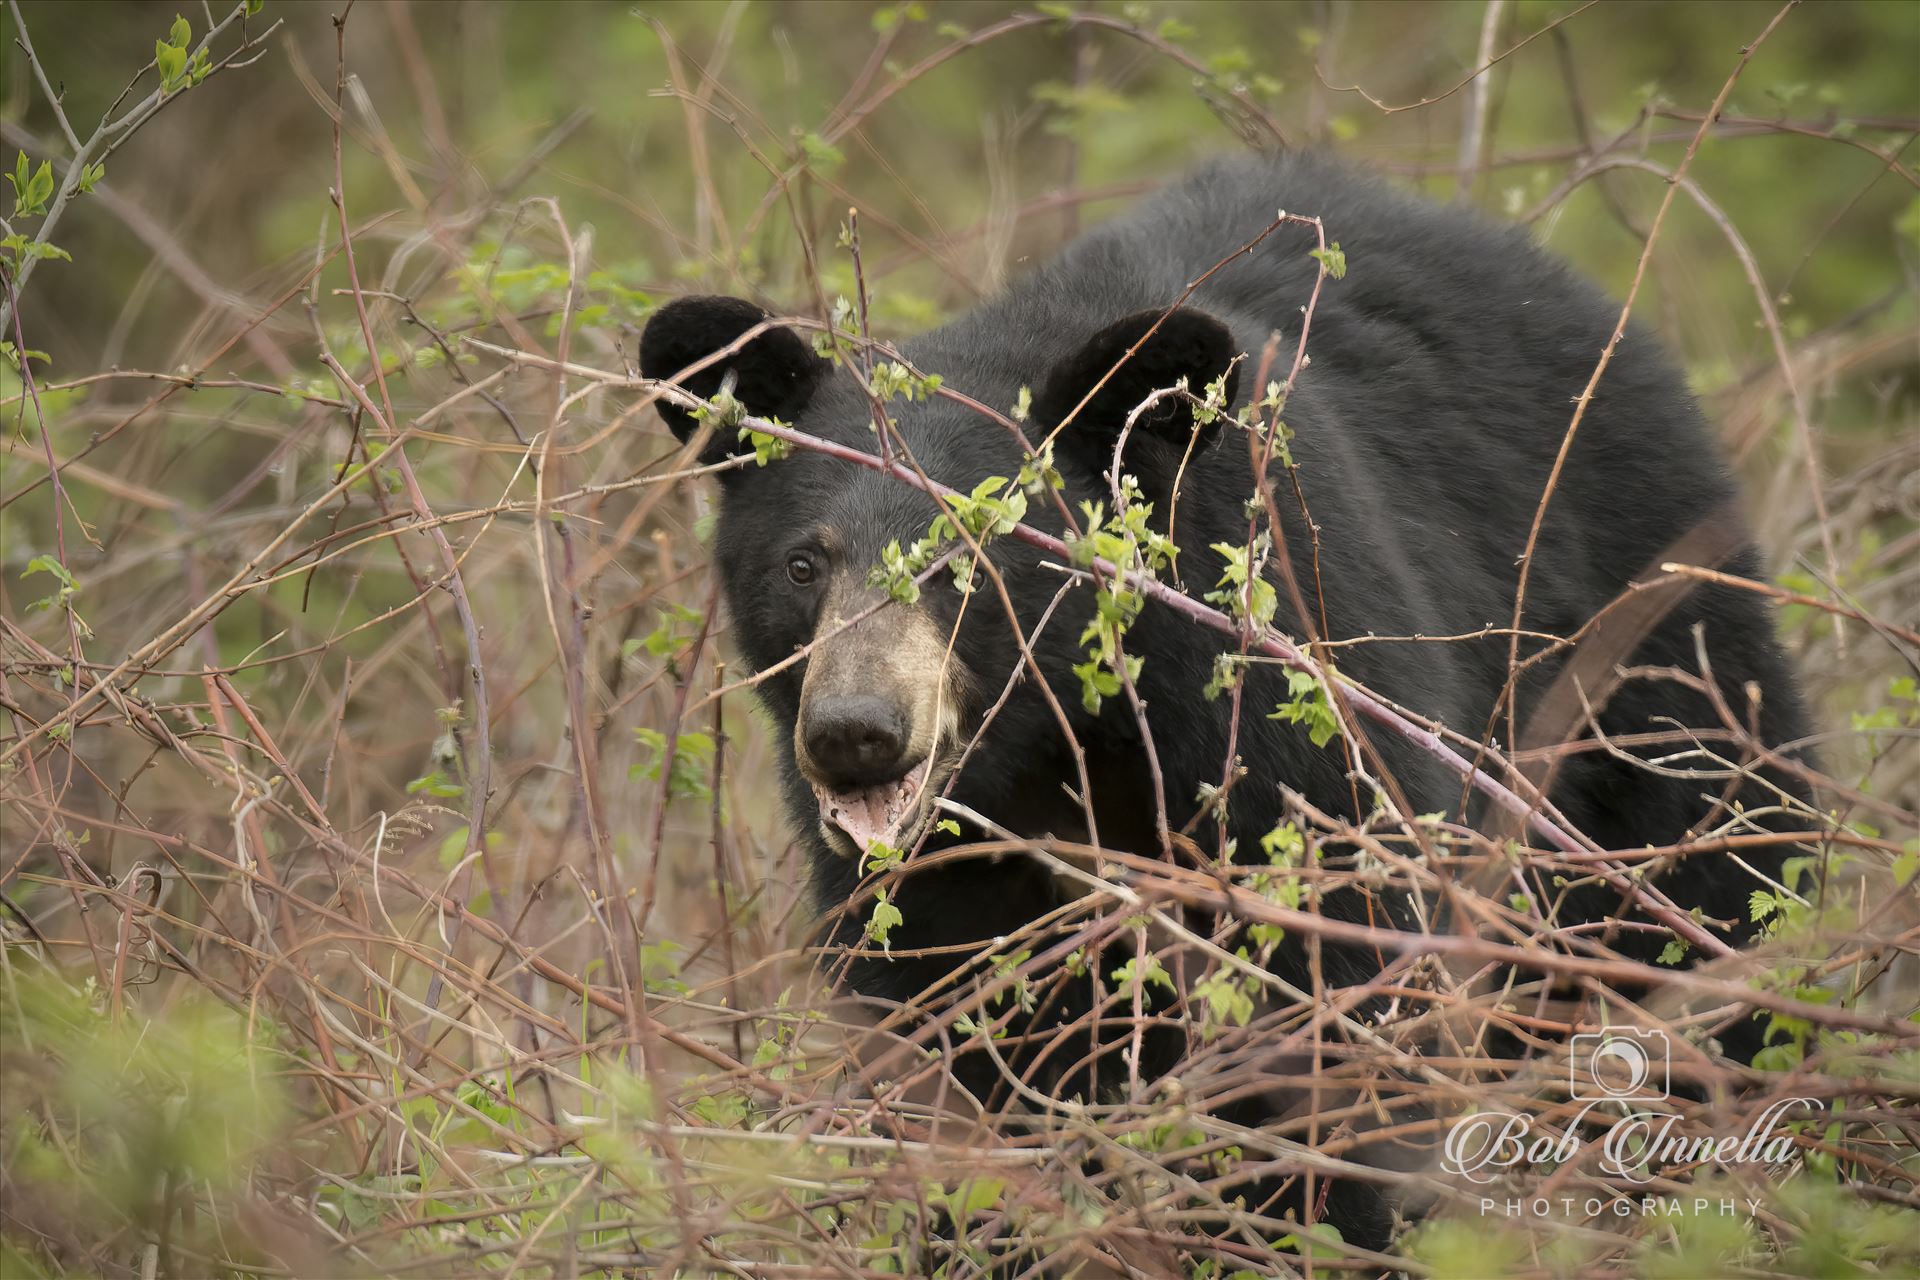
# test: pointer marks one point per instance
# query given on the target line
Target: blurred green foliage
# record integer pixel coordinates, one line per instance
(109, 1110)
(238, 171)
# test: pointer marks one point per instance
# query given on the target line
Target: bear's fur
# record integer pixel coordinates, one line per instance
(1444, 370)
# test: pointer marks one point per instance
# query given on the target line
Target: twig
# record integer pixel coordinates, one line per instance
(1586, 395)
(112, 133)
(480, 766)
(1473, 128)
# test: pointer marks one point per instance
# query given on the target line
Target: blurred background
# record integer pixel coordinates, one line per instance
(239, 876)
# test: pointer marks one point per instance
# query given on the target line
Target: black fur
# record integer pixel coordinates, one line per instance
(1184, 345)
(1444, 369)
(775, 374)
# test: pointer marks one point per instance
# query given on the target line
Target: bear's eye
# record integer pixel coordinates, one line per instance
(800, 569)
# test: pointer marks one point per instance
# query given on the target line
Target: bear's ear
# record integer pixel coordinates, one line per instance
(774, 374)
(1187, 344)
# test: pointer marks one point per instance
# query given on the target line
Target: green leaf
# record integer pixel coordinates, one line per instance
(1154, 972)
(1228, 996)
(1308, 706)
(766, 448)
(821, 154)
(692, 763)
(1096, 684)
(1283, 845)
(890, 16)
(896, 571)
(883, 919)
(40, 189)
(172, 64)
(660, 967)
(891, 379)
(677, 628)
(976, 1195)
(49, 564)
(181, 32)
(1332, 260)
(434, 784)
(1266, 936)
(722, 1110)
(1242, 591)
(12, 354)
(32, 188)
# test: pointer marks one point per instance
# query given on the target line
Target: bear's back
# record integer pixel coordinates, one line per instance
(1443, 370)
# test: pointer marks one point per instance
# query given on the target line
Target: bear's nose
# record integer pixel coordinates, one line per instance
(858, 739)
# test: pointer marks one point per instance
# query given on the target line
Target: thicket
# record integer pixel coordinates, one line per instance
(391, 875)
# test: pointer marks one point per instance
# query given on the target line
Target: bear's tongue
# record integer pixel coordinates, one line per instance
(876, 813)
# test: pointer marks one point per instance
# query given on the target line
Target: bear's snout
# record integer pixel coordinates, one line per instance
(859, 739)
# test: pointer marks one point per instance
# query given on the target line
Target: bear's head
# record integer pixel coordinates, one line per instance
(878, 682)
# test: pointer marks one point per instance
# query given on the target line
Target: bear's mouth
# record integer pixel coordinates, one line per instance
(886, 813)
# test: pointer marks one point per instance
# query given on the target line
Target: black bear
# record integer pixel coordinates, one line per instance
(1442, 374)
